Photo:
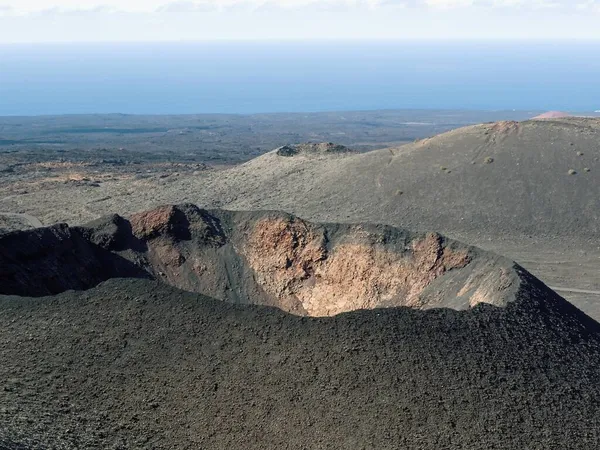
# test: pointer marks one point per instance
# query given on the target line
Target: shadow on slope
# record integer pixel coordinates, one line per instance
(46, 261)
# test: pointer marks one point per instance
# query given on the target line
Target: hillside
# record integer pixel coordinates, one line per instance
(138, 364)
(480, 181)
(527, 190)
(506, 178)
(553, 115)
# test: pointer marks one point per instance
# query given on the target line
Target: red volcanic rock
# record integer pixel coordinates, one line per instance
(553, 115)
(149, 224)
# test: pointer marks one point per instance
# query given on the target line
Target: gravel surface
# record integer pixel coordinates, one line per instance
(136, 364)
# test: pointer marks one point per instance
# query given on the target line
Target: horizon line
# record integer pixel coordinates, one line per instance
(449, 39)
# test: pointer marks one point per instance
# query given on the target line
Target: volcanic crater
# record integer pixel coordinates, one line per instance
(268, 258)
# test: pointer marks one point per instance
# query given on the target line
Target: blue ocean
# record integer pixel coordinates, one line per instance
(253, 77)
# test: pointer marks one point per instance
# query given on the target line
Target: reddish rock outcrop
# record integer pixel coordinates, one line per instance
(150, 224)
(292, 263)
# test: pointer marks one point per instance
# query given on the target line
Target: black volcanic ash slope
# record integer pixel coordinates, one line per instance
(138, 364)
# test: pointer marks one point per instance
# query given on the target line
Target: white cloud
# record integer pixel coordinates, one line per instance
(449, 3)
(589, 5)
(35, 6)
(149, 6)
(180, 20)
(508, 4)
(24, 7)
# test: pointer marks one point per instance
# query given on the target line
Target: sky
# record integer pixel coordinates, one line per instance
(28, 21)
